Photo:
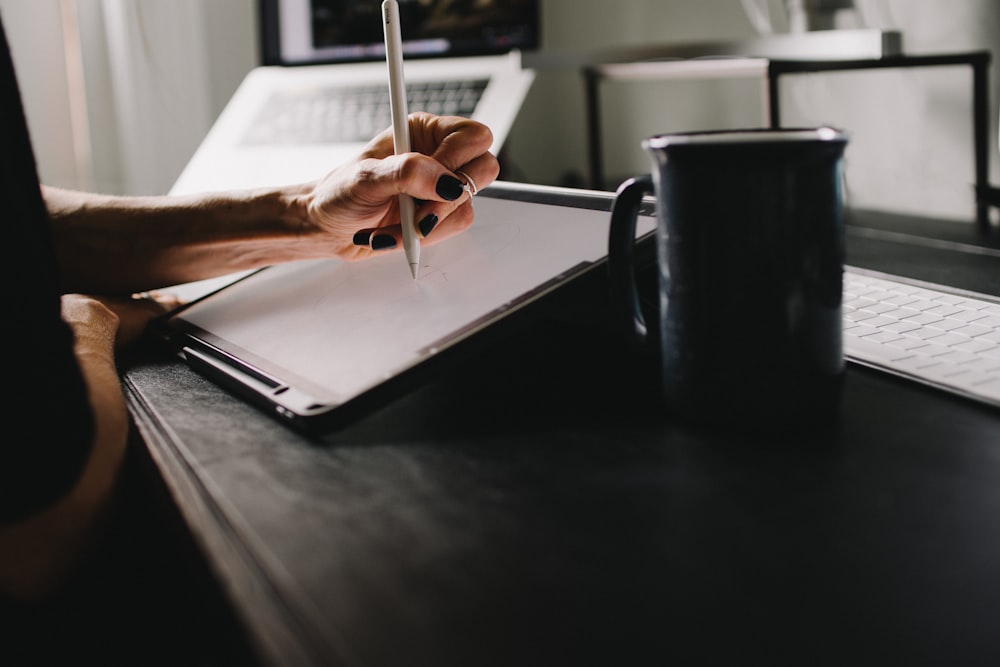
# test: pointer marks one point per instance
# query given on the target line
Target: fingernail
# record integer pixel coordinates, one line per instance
(428, 224)
(383, 241)
(362, 237)
(449, 187)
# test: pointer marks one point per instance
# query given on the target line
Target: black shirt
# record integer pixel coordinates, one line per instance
(48, 425)
(136, 599)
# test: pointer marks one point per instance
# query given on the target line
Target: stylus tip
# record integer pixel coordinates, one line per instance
(413, 270)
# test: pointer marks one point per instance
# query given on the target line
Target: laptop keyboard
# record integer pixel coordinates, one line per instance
(948, 339)
(353, 113)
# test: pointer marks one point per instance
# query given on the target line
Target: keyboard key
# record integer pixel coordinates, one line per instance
(902, 327)
(924, 318)
(973, 330)
(905, 343)
(948, 338)
(953, 356)
(969, 315)
(975, 345)
(946, 324)
(875, 351)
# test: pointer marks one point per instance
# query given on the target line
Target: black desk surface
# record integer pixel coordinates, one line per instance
(533, 506)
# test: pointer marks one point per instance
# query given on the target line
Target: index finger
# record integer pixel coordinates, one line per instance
(451, 140)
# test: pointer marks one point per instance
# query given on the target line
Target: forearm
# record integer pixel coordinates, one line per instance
(117, 245)
(39, 552)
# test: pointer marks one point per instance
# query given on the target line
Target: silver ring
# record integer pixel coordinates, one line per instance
(470, 184)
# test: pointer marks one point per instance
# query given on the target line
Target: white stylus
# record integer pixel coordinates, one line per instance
(400, 124)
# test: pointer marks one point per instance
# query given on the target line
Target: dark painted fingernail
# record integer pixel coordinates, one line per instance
(449, 187)
(362, 237)
(427, 224)
(383, 241)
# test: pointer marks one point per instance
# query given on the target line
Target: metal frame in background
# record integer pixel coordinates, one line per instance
(773, 69)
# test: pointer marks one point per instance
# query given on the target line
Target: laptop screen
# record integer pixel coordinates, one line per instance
(304, 32)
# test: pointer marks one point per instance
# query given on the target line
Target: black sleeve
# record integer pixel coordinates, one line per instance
(47, 421)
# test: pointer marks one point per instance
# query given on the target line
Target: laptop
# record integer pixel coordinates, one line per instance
(321, 91)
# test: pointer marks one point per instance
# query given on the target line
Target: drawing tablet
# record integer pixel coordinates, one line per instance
(317, 341)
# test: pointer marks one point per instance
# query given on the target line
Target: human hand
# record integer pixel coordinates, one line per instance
(356, 205)
(136, 312)
(114, 322)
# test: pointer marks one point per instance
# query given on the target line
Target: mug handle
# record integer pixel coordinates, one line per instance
(621, 256)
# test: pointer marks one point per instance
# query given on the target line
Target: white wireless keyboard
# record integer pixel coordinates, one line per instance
(930, 333)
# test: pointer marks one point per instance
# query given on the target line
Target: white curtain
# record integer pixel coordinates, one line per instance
(160, 87)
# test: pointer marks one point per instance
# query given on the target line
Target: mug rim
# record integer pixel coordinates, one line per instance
(748, 136)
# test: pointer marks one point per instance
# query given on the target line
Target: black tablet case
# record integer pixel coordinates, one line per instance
(317, 343)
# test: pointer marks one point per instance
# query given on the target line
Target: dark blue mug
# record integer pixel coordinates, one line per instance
(749, 261)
